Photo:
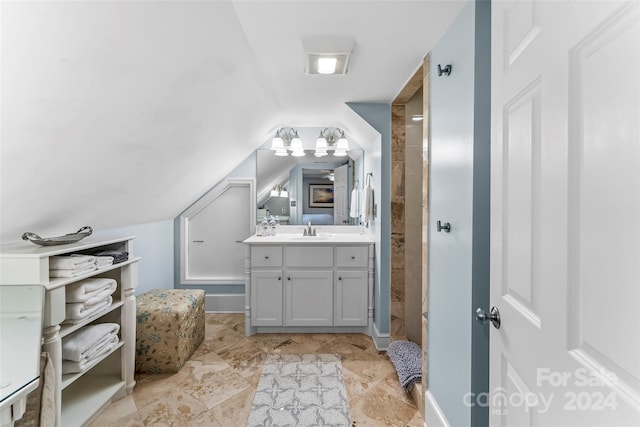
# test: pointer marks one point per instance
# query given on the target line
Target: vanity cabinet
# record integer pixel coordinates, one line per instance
(79, 397)
(319, 287)
(309, 298)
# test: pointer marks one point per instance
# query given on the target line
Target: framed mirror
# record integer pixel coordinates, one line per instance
(297, 190)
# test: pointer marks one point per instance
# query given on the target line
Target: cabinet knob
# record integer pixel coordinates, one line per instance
(288, 278)
(353, 257)
(339, 277)
(279, 278)
(266, 257)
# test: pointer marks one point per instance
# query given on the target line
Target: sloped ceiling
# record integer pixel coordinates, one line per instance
(117, 113)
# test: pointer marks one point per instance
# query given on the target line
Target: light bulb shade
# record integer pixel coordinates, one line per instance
(277, 143)
(274, 193)
(296, 143)
(284, 193)
(296, 147)
(321, 143)
(342, 144)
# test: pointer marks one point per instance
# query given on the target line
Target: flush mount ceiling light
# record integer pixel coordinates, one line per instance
(327, 55)
(287, 139)
(331, 140)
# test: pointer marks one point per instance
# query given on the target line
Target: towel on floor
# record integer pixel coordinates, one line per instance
(353, 211)
(406, 357)
(69, 262)
(91, 291)
(104, 261)
(77, 311)
(85, 268)
(89, 341)
(70, 366)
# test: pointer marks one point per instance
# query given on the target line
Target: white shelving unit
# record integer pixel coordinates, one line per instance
(80, 397)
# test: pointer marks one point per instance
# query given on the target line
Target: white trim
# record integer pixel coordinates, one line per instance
(219, 303)
(381, 341)
(193, 210)
(433, 415)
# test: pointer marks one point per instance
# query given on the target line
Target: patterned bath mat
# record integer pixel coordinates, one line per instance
(300, 390)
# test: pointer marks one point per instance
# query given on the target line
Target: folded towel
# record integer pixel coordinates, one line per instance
(91, 291)
(78, 271)
(367, 204)
(406, 357)
(88, 341)
(70, 366)
(78, 311)
(353, 212)
(69, 262)
(104, 261)
(118, 256)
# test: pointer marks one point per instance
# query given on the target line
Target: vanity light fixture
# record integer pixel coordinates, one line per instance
(279, 191)
(287, 139)
(331, 140)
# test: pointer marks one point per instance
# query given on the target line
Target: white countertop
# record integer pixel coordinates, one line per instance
(326, 235)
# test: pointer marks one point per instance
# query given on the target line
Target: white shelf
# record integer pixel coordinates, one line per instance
(86, 396)
(68, 379)
(79, 397)
(67, 328)
(56, 282)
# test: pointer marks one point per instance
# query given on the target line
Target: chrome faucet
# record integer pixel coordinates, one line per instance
(309, 231)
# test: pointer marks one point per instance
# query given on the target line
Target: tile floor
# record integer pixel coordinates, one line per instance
(216, 386)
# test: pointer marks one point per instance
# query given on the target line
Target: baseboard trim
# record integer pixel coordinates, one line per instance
(433, 415)
(221, 303)
(381, 341)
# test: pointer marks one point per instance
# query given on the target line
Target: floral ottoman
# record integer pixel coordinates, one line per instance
(169, 327)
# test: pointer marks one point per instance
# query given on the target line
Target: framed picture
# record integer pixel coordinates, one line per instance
(320, 195)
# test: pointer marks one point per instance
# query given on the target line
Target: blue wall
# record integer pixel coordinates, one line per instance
(459, 194)
(379, 117)
(154, 243)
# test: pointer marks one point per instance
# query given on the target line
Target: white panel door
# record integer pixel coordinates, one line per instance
(565, 224)
(341, 195)
(212, 231)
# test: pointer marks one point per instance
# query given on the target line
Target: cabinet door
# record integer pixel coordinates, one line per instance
(351, 298)
(309, 298)
(266, 298)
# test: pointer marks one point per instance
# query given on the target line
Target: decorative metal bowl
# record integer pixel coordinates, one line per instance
(58, 240)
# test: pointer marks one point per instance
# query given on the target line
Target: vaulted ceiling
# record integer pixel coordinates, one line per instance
(116, 113)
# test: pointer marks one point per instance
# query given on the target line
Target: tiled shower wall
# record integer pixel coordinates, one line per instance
(397, 221)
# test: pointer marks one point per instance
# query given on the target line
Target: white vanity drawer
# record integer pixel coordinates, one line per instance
(266, 256)
(306, 256)
(352, 256)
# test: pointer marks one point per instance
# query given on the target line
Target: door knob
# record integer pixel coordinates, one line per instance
(446, 227)
(494, 316)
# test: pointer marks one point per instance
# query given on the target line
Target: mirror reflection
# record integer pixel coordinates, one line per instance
(296, 190)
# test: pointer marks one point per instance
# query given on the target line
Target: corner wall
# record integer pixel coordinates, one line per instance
(378, 161)
(458, 350)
